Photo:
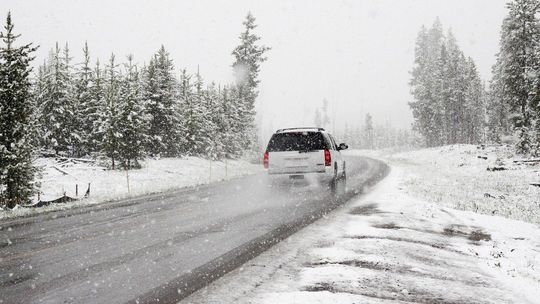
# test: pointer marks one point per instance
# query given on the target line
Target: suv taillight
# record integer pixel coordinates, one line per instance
(327, 158)
(265, 160)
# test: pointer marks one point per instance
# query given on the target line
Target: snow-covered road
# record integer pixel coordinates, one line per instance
(389, 247)
(161, 246)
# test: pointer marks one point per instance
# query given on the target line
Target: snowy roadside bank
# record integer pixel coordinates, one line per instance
(392, 247)
(156, 175)
(457, 177)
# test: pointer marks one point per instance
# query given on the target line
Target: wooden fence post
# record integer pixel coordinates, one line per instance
(127, 178)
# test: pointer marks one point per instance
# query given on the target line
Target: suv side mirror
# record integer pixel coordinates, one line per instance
(342, 146)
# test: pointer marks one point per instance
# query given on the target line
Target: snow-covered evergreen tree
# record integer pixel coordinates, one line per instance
(132, 123)
(221, 125)
(39, 87)
(16, 169)
(196, 123)
(475, 108)
(368, 132)
(324, 114)
(517, 67)
(356, 140)
(226, 141)
(448, 105)
(109, 114)
(57, 113)
(193, 104)
(93, 110)
(347, 135)
(235, 137)
(423, 83)
(84, 111)
(161, 99)
(248, 57)
(441, 105)
(322, 119)
(318, 118)
(497, 109)
(210, 131)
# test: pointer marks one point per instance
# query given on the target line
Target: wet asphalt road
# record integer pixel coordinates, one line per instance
(159, 247)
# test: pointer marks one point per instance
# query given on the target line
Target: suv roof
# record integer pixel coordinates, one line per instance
(300, 129)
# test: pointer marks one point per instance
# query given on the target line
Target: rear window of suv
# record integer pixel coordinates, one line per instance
(296, 141)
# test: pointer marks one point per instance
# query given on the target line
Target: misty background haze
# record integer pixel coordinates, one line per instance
(356, 54)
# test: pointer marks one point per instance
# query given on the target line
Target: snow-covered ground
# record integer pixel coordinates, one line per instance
(398, 244)
(457, 177)
(156, 175)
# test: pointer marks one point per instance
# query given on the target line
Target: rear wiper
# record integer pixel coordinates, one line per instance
(306, 151)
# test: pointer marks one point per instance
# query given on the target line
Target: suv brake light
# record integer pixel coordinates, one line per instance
(265, 160)
(327, 158)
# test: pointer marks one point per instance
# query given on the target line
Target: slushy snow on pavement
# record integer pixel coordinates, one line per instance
(391, 247)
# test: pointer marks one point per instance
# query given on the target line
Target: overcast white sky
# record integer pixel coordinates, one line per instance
(357, 54)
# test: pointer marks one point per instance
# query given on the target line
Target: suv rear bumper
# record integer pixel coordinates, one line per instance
(325, 175)
(290, 171)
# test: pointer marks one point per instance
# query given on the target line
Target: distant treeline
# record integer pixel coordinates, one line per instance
(367, 134)
(378, 136)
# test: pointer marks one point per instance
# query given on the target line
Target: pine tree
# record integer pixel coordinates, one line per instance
(227, 123)
(236, 137)
(321, 115)
(248, 58)
(74, 120)
(16, 169)
(220, 123)
(434, 80)
(517, 64)
(498, 110)
(39, 87)
(448, 105)
(160, 95)
(94, 109)
(132, 123)
(57, 114)
(85, 110)
(324, 114)
(318, 118)
(448, 102)
(474, 110)
(192, 113)
(109, 119)
(199, 123)
(357, 137)
(210, 131)
(441, 105)
(426, 83)
(347, 136)
(368, 132)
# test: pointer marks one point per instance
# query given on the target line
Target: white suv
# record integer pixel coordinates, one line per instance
(305, 152)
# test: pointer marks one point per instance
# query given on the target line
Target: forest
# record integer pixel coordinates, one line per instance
(452, 105)
(119, 111)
